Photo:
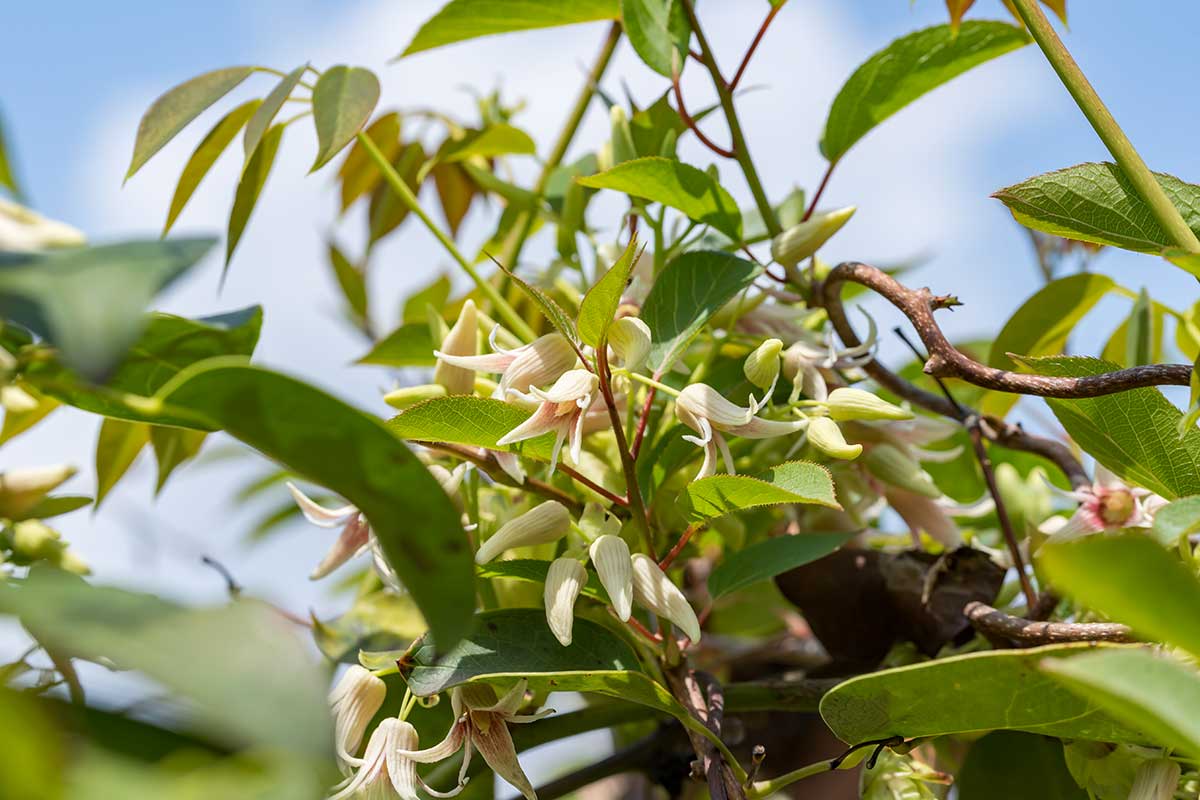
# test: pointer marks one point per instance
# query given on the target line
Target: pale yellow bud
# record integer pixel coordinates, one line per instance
(655, 592)
(22, 489)
(629, 338)
(33, 539)
(825, 435)
(565, 578)
(1156, 779)
(542, 524)
(762, 366)
(893, 465)
(17, 400)
(409, 396)
(70, 561)
(613, 563)
(847, 403)
(801, 241)
(460, 341)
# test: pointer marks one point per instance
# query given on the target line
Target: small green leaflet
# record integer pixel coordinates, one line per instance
(766, 559)
(462, 419)
(410, 345)
(460, 20)
(791, 482)
(342, 101)
(254, 177)
(659, 32)
(495, 140)
(257, 127)
(599, 305)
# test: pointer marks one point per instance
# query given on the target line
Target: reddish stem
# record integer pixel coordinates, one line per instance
(691, 123)
(820, 191)
(640, 433)
(758, 37)
(644, 631)
(595, 487)
(684, 538)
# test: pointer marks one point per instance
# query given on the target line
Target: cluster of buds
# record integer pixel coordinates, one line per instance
(22, 533)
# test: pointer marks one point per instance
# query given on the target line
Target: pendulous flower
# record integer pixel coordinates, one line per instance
(354, 701)
(706, 411)
(657, 593)
(561, 409)
(825, 435)
(801, 241)
(565, 578)
(542, 524)
(847, 403)
(384, 772)
(614, 565)
(762, 366)
(630, 340)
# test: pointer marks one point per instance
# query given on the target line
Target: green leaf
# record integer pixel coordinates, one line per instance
(553, 312)
(673, 183)
(31, 761)
(1133, 580)
(689, 290)
(172, 447)
(171, 112)
(770, 557)
(87, 301)
(1150, 692)
(350, 279)
(993, 690)
(1041, 325)
(119, 445)
(342, 101)
(1095, 202)
(254, 177)
(238, 694)
(410, 345)
(257, 127)
(387, 210)
(460, 20)
(988, 774)
(501, 139)
(1133, 433)
(791, 482)
(205, 155)
(323, 440)
(906, 69)
(659, 32)
(599, 305)
(358, 172)
(1139, 336)
(435, 295)
(1175, 520)
(463, 419)
(532, 570)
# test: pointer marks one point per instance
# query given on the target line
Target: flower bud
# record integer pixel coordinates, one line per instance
(825, 435)
(542, 524)
(353, 702)
(22, 229)
(409, 396)
(798, 243)
(655, 591)
(630, 340)
(847, 403)
(33, 539)
(1155, 779)
(762, 366)
(70, 561)
(16, 400)
(613, 563)
(460, 341)
(622, 136)
(564, 580)
(893, 465)
(22, 489)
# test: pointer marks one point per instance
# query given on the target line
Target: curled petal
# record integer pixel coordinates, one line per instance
(490, 362)
(316, 513)
(759, 428)
(544, 420)
(564, 580)
(511, 464)
(657, 593)
(571, 387)
(613, 562)
(443, 749)
(495, 744)
(541, 361)
(353, 540)
(353, 703)
(699, 400)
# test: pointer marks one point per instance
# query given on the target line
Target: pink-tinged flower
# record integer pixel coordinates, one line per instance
(384, 772)
(541, 361)
(561, 409)
(706, 411)
(1109, 504)
(481, 723)
(353, 703)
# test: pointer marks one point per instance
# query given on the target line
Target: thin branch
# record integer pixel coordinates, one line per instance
(681, 107)
(643, 418)
(996, 624)
(637, 505)
(758, 37)
(684, 538)
(483, 459)
(812, 206)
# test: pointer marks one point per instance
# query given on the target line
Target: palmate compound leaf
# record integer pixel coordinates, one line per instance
(993, 690)
(460, 20)
(790, 482)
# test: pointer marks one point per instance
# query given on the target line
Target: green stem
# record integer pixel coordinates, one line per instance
(740, 151)
(768, 788)
(506, 311)
(1106, 126)
(662, 387)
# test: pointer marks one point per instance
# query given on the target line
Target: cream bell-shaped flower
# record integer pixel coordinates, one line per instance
(825, 435)
(565, 578)
(801, 241)
(847, 403)
(706, 411)
(1155, 779)
(614, 565)
(353, 701)
(762, 366)
(630, 340)
(810, 362)
(561, 409)
(535, 364)
(655, 592)
(24, 230)
(384, 773)
(544, 523)
(460, 342)
(1109, 504)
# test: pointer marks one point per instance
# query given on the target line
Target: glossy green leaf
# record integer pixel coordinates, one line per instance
(205, 155)
(988, 774)
(31, 757)
(119, 444)
(460, 20)
(599, 305)
(271, 105)
(350, 280)
(993, 690)
(1176, 520)
(766, 559)
(342, 101)
(463, 419)
(501, 139)
(172, 447)
(659, 32)
(1150, 692)
(1133, 433)
(532, 570)
(906, 69)
(410, 345)
(254, 177)
(791, 482)
(673, 183)
(1041, 325)
(171, 112)
(1130, 579)
(1095, 202)
(88, 301)
(323, 440)
(689, 290)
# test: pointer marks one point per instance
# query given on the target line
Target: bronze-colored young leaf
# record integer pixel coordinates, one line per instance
(358, 174)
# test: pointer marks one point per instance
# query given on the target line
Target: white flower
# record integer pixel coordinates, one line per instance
(561, 410)
(384, 772)
(460, 342)
(542, 524)
(847, 403)
(761, 367)
(1109, 504)
(565, 578)
(706, 411)
(655, 591)
(614, 564)
(630, 340)
(810, 362)
(24, 230)
(354, 701)
(535, 364)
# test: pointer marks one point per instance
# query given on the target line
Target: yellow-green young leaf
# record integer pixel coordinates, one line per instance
(1095, 202)
(331, 444)
(460, 20)
(254, 177)
(993, 690)
(906, 69)
(791, 482)
(171, 112)
(358, 172)
(690, 289)
(342, 101)
(1150, 692)
(410, 345)
(462, 419)
(766, 559)
(658, 30)
(205, 155)
(455, 191)
(1041, 325)
(673, 183)
(350, 279)
(988, 774)
(172, 447)
(501, 139)
(257, 127)
(1133, 433)
(599, 305)
(119, 445)
(17, 422)
(1130, 579)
